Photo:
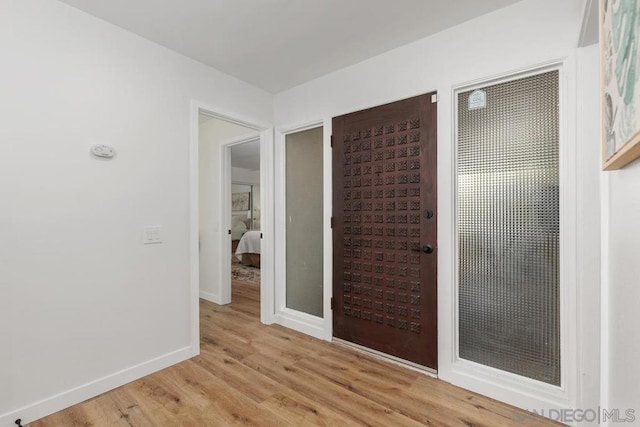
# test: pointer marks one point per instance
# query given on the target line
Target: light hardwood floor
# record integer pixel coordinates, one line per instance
(251, 374)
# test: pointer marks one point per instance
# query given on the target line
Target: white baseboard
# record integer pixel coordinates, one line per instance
(211, 297)
(512, 389)
(301, 322)
(50, 405)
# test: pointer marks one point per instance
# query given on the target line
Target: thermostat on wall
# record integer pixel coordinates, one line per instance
(103, 151)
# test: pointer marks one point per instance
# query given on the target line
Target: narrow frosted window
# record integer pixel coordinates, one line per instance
(508, 225)
(304, 221)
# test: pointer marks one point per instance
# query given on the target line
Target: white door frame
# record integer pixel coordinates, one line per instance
(318, 327)
(267, 310)
(225, 219)
(501, 385)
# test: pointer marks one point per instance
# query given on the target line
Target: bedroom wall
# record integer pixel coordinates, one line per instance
(84, 305)
(245, 176)
(239, 188)
(249, 177)
(526, 34)
(239, 215)
(212, 134)
(257, 207)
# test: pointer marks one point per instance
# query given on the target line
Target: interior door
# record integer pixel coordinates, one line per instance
(385, 228)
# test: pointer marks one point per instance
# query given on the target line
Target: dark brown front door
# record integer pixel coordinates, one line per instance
(384, 236)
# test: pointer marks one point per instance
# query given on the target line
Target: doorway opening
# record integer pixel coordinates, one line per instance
(245, 223)
(215, 135)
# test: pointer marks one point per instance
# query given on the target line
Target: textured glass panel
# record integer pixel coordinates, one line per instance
(508, 223)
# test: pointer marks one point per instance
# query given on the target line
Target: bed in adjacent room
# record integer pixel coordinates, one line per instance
(238, 228)
(248, 250)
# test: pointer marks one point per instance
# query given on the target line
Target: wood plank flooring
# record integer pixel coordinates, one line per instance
(251, 374)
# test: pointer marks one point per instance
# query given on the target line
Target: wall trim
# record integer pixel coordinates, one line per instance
(328, 231)
(211, 297)
(225, 217)
(301, 322)
(267, 225)
(94, 388)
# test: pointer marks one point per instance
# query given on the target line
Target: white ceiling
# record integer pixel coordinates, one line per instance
(246, 155)
(278, 44)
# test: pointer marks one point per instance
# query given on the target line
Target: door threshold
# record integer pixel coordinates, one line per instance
(387, 357)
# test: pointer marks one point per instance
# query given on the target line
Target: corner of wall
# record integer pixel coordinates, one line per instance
(211, 297)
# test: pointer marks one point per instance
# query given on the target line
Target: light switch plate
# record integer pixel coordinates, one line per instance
(152, 234)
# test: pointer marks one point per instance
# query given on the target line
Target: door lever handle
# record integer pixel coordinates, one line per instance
(427, 249)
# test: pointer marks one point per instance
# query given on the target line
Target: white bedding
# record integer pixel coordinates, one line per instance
(249, 244)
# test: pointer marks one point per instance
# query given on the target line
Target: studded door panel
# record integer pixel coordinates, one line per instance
(384, 213)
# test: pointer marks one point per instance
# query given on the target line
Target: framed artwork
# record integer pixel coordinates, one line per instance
(620, 57)
(240, 201)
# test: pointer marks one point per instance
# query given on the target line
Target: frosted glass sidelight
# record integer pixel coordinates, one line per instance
(508, 226)
(304, 194)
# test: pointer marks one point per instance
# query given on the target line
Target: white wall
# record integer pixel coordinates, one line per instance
(81, 298)
(622, 333)
(527, 34)
(212, 134)
(619, 378)
(245, 176)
